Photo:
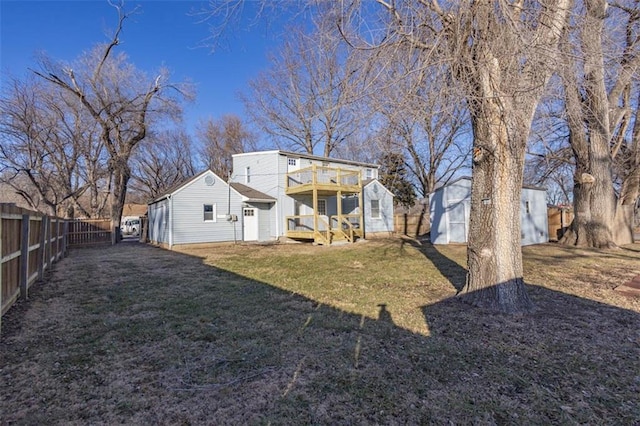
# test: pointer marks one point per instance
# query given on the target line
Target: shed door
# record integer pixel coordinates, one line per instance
(457, 214)
(250, 224)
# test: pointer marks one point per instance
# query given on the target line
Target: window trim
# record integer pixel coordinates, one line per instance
(368, 173)
(372, 210)
(214, 211)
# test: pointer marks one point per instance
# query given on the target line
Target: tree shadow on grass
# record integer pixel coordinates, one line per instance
(449, 268)
(177, 341)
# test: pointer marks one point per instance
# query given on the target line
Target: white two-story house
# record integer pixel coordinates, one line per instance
(318, 199)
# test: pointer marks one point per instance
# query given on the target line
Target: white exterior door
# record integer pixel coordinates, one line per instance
(250, 223)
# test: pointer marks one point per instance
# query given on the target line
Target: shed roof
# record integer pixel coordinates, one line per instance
(250, 194)
(536, 188)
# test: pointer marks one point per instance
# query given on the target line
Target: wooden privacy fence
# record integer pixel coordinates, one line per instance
(29, 243)
(84, 232)
(414, 225)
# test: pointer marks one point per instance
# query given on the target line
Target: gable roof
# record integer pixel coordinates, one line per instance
(250, 194)
(178, 186)
(367, 182)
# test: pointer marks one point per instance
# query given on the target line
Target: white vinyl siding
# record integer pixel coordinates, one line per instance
(378, 211)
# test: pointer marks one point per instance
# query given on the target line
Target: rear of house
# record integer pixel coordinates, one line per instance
(317, 198)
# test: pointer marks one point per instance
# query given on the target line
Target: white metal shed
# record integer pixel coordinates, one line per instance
(449, 208)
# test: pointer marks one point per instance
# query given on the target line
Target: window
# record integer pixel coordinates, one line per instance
(375, 209)
(249, 212)
(527, 207)
(322, 207)
(247, 176)
(368, 174)
(209, 212)
(293, 161)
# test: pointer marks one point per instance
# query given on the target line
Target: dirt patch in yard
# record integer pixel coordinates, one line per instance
(296, 334)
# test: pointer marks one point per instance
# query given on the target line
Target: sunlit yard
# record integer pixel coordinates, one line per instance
(298, 334)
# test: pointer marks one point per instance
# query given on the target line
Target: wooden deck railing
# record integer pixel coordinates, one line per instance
(324, 179)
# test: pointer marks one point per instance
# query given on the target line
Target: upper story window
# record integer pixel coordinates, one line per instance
(247, 175)
(368, 173)
(293, 161)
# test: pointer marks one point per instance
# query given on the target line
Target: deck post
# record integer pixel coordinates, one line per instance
(339, 207)
(315, 208)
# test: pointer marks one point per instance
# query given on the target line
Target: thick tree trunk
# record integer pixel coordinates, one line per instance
(121, 176)
(494, 257)
(594, 196)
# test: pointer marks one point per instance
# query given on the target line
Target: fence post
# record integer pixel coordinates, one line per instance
(48, 244)
(24, 258)
(65, 234)
(43, 249)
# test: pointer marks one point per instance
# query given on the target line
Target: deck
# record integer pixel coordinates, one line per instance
(323, 230)
(323, 180)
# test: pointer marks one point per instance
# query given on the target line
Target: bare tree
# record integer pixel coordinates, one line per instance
(49, 150)
(164, 159)
(502, 55)
(601, 109)
(121, 99)
(303, 100)
(222, 138)
(422, 115)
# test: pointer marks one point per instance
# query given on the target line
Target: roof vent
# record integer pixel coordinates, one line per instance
(209, 180)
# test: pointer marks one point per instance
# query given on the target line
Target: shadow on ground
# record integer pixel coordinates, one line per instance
(135, 334)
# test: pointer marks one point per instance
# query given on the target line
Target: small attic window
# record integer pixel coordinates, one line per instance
(293, 161)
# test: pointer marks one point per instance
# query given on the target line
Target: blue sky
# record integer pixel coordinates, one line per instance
(162, 33)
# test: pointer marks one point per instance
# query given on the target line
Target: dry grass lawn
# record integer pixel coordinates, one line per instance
(369, 333)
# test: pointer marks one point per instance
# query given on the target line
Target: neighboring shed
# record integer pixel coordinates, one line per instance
(205, 209)
(450, 205)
